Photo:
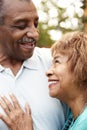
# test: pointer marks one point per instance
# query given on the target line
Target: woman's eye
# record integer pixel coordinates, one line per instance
(57, 61)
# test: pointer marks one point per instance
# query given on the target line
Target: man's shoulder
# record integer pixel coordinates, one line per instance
(43, 55)
(42, 50)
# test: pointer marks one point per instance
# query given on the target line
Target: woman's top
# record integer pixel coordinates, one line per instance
(79, 124)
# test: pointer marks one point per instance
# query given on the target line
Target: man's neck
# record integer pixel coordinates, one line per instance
(10, 63)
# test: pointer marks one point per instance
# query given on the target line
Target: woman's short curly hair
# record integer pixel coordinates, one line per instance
(74, 45)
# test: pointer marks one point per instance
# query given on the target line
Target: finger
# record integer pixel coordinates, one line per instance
(15, 101)
(4, 107)
(28, 110)
(29, 117)
(5, 119)
(8, 103)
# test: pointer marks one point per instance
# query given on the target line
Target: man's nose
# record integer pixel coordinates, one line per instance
(33, 32)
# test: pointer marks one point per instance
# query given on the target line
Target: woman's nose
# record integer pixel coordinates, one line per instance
(49, 72)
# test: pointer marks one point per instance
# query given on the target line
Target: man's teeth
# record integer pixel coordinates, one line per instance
(28, 40)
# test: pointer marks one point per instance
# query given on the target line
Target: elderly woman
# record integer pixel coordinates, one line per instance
(68, 77)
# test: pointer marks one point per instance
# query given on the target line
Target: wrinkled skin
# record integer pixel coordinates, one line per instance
(5, 38)
(21, 18)
(16, 118)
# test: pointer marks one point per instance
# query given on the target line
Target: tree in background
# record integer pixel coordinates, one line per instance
(44, 38)
(85, 15)
(59, 17)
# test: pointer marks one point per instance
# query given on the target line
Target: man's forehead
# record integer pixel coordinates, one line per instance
(16, 3)
(17, 0)
(14, 6)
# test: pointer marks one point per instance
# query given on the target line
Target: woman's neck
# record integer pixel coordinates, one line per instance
(78, 105)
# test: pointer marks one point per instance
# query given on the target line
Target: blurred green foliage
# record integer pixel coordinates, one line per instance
(44, 38)
(62, 17)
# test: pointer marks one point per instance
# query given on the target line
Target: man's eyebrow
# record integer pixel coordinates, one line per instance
(20, 20)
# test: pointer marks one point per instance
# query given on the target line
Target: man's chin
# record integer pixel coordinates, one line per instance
(27, 56)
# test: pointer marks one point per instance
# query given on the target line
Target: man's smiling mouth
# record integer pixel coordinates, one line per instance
(28, 43)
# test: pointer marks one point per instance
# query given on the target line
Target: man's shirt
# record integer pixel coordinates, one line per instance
(30, 85)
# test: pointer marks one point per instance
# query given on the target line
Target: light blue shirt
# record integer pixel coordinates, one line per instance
(31, 85)
(81, 122)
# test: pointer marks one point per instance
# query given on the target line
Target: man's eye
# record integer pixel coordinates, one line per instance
(20, 27)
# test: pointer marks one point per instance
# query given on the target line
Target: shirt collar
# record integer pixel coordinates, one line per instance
(1, 68)
(31, 63)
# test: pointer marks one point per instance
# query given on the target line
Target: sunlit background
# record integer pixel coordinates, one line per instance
(36, 2)
(57, 17)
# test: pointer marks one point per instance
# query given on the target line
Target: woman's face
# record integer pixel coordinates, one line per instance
(60, 78)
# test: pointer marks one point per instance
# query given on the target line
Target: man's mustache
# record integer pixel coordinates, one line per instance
(27, 40)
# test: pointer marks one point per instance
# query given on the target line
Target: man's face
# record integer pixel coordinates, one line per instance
(22, 20)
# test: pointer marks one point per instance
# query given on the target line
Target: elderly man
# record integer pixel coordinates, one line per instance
(23, 67)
